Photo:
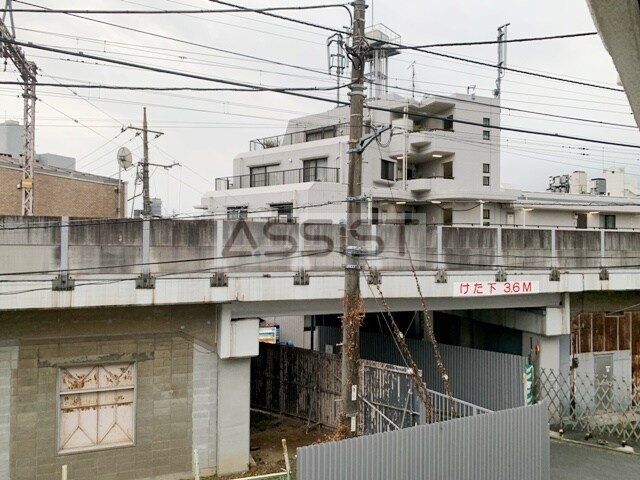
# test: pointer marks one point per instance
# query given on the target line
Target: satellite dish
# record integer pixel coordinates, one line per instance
(124, 157)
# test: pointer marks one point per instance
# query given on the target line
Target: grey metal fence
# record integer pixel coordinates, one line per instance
(489, 379)
(602, 405)
(503, 445)
(306, 384)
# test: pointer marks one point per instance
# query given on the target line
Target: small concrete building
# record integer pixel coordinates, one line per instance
(123, 392)
(59, 189)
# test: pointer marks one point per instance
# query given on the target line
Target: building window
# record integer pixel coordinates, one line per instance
(486, 217)
(447, 216)
(321, 133)
(387, 170)
(234, 213)
(265, 175)
(486, 122)
(486, 168)
(485, 181)
(448, 123)
(447, 170)
(96, 407)
(486, 135)
(258, 176)
(314, 170)
(284, 212)
(608, 221)
(581, 220)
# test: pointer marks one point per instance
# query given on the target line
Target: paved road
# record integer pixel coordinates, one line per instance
(570, 461)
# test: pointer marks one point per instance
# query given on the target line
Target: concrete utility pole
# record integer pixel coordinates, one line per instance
(146, 195)
(353, 306)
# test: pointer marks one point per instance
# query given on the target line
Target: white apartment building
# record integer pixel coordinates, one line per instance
(452, 173)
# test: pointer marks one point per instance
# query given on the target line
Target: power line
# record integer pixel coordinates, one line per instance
(275, 256)
(404, 89)
(165, 12)
(513, 109)
(174, 89)
(288, 19)
(493, 42)
(249, 87)
(193, 44)
(453, 57)
(510, 69)
(286, 91)
(302, 253)
(396, 87)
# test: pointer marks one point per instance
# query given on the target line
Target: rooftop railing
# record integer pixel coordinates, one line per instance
(282, 177)
(302, 136)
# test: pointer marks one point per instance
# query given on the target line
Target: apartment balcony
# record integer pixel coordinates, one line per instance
(281, 177)
(430, 183)
(424, 145)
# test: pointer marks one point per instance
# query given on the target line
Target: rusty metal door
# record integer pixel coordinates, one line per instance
(96, 406)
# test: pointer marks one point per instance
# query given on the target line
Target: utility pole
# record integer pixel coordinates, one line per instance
(146, 195)
(352, 302)
(28, 71)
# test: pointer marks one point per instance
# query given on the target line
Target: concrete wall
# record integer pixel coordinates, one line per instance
(204, 414)
(175, 246)
(8, 364)
(58, 195)
(176, 389)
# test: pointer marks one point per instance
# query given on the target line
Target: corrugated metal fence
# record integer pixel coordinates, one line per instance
(306, 384)
(503, 445)
(297, 382)
(487, 379)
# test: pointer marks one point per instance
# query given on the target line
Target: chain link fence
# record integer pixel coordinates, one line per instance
(600, 405)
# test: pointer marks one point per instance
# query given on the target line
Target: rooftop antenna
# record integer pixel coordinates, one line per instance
(413, 79)
(372, 23)
(336, 58)
(471, 90)
(125, 160)
(502, 57)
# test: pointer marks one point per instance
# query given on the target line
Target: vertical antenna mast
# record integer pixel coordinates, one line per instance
(502, 57)
(28, 71)
(336, 59)
(413, 79)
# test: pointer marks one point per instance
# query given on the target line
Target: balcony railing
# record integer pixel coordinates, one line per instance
(282, 177)
(302, 136)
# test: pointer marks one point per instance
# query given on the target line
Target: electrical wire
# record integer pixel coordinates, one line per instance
(192, 44)
(453, 57)
(515, 70)
(288, 19)
(497, 42)
(166, 12)
(286, 91)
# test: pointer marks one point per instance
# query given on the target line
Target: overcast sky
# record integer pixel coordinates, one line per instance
(204, 131)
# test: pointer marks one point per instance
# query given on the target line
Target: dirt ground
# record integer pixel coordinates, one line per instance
(267, 432)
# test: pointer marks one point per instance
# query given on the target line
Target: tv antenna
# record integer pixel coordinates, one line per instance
(502, 57)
